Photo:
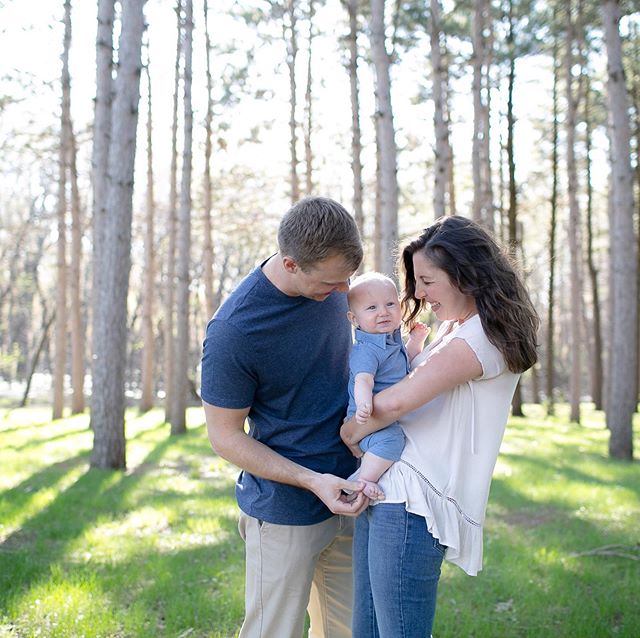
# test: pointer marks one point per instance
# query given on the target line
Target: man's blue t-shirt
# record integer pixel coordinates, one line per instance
(287, 358)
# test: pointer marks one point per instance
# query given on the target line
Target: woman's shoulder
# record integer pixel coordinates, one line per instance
(473, 333)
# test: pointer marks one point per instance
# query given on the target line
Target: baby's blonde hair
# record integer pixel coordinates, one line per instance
(366, 278)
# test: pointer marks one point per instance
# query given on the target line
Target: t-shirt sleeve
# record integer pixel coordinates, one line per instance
(490, 358)
(227, 377)
(362, 358)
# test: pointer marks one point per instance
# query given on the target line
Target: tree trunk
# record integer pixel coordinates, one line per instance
(169, 342)
(551, 310)
(621, 402)
(207, 244)
(108, 399)
(292, 53)
(181, 354)
(479, 18)
(148, 338)
(516, 403)
(574, 238)
(59, 366)
(77, 328)
(487, 180)
(308, 154)
(100, 155)
(597, 375)
(46, 325)
(356, 137)
(441, 127)
(387, 187)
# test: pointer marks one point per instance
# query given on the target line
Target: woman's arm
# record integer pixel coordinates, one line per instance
(450, 366)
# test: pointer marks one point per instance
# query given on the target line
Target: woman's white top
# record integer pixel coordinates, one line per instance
(452, 444)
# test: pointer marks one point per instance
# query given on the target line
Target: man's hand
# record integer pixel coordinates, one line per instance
(329, 489)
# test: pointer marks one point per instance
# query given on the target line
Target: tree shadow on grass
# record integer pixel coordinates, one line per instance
(539, 578)
(623, 474)
(43, 540)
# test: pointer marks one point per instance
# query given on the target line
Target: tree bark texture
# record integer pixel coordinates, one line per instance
(308, 104)
(181, 354)
(148, 337)
(60, 357)
(621, 403)
(169, 326)
(356, 135)
(292, 53)
(575, 235)
(207, 244)
(77, 327)
(387, 187)
(597, 372)
(551, 310)
(100, 152)
(108, 397)
(442, 150)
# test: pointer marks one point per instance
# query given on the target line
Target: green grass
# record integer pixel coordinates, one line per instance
(154, 551)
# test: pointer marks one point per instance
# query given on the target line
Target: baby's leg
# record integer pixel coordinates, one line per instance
(372, 467)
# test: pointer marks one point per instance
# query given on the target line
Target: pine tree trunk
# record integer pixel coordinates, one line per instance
(108, 399)
(181, 354)
(100, 156)
(621, 403)
(207, 243)
(308, 154)
(551, 310)
(356, 141)
(387, 186)
(442, 159)
(479, 16)
(148, 337)
(516, 403)
(597, 375)
(77, 329)
(59, 365)
(292, 54)
(169, 330)
(574, 238)
(487, 179)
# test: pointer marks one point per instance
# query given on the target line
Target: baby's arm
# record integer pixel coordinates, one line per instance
(363, 395)
(417, 337)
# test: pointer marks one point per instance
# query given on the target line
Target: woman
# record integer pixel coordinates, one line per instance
(453, 407)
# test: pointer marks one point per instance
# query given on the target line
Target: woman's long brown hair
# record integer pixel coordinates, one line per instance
(478, 267)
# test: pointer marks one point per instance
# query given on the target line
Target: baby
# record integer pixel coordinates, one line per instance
(378, 359)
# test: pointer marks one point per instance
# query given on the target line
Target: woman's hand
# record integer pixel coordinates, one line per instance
(350, 438)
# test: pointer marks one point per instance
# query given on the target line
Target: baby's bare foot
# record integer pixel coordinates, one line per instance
(372, 490)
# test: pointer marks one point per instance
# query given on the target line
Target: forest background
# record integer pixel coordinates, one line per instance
(148, 155)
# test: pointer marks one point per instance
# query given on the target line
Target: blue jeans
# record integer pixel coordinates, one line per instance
(396, 568)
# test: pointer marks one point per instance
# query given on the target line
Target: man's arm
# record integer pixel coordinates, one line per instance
(225, 428)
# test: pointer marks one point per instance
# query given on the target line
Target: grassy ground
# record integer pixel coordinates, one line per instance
(154, 552)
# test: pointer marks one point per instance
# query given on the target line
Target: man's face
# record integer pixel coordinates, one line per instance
(319, 281)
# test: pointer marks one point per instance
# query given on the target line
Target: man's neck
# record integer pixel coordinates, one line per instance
(274, 271)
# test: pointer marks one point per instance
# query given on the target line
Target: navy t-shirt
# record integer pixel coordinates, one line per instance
(287, 358)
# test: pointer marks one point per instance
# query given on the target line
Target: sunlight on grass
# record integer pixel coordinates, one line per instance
(154, 551)
(64, 607)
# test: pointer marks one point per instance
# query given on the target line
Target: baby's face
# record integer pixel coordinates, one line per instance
(375, 307)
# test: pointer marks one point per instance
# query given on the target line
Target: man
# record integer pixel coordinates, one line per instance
(276, 353)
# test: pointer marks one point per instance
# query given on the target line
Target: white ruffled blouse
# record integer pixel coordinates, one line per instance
(452, 444)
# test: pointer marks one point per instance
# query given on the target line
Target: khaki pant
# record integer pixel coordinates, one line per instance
(290, 569)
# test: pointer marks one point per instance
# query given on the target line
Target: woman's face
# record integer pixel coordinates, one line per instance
(434, 286)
